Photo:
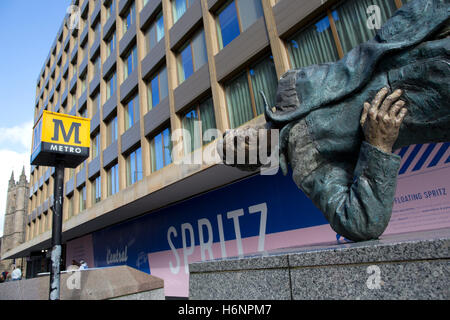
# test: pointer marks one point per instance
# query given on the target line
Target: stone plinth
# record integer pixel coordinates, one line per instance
(120, 282)
(407, 266)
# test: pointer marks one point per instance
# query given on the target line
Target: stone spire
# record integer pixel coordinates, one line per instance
(12, 182)
(23, 178)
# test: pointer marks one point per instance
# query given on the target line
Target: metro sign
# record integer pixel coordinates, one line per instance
(60, 137)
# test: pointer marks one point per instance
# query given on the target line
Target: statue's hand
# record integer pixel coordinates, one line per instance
(245, 140)
(381, 120)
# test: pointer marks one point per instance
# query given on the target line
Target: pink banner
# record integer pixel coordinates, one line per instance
(80, 249)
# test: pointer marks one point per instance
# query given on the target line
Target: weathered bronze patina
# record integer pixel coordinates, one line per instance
(340, 146)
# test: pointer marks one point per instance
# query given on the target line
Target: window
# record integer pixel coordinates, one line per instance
(134, 167)
(96, 63)
(111, 131)
(313, 45)
(83, 83)
(113, 180)
(351, 21)
(157, 88)
(95, 145)
(132, 113)
(155, 33)
(235, 18)
(111, 44)
(128, 20)
(129, 62)
(74, 101)
(110, 9)
(97, 190)
(82, 51)
(197, 122)
(82, 198)
(192, 56)
(97, 30)
(111, 85)
(243, 99)
(179, 8)
(316, 43)
(70, 206)
(96, 103)
(83, 113)
(161, 150)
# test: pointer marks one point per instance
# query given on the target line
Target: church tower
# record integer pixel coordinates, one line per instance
(15, 217)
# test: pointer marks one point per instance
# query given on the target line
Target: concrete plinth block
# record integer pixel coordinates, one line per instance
(121, 282)
(406, 266)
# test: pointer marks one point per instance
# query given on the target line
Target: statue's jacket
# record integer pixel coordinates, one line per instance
(318, 110)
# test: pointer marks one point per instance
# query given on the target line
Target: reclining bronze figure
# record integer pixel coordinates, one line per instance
(338, 144)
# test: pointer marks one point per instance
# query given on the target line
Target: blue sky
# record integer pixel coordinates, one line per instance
(27, 31)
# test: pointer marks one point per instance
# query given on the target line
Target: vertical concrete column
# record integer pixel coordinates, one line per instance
(279, 51)
(171, 65)
(218, 93)
(140, 47)
(120, 107)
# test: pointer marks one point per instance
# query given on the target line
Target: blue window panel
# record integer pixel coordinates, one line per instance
(159, 152)
(159, 28)
(250, 11)
(133, 167)
(163, 82)
(179, 9)
(186, 62)
(114, 130)
(130, 114)
(167, 147)
(229, 24)
(155, 91)
(139, 164)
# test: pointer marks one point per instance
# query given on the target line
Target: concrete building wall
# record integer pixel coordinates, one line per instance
(69, 68)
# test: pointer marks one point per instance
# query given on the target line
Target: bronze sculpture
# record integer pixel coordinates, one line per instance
(340, 146)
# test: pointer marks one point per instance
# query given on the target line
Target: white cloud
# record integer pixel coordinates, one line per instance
(17, 138)
(15, 146)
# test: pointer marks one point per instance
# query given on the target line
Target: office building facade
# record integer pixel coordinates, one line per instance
(160, 81)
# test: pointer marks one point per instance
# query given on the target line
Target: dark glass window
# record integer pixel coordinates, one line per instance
(155, 32)
(161, 150)
(134, 167)
(113, 179)
(243, 99)
(197, 121)
(130, 62)
(132, 113)
(157, 88)
(179, 8)
(235, 17)
(129, 18)
(192, 56)
(111, 131)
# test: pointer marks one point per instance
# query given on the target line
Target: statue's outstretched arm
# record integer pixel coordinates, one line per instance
(357, 201)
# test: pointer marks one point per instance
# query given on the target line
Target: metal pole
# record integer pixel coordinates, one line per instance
(56, 232)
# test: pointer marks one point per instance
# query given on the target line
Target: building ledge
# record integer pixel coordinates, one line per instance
(171, 184)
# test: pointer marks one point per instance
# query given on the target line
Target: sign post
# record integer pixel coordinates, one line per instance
(54, 293)
(59, 141)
